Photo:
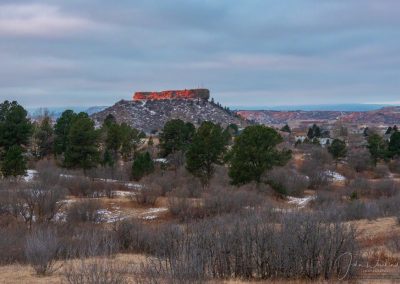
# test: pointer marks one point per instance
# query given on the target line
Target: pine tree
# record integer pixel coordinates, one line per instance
(338, 149)
(13, 163)
(377, 147)
(44, 138)
(142, 165)
(175, 136)
(207, 148)
(61, 131)
(254, 152)
(82, 144)
(394, 144)
(15, 131)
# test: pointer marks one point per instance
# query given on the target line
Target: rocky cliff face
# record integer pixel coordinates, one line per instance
(151, 115)
(202, 94)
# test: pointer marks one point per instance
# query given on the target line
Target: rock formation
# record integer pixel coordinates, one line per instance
(203, 94)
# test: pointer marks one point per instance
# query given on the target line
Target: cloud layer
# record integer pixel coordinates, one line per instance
(253, 52)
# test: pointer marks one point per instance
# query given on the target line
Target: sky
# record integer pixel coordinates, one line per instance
(247, 52)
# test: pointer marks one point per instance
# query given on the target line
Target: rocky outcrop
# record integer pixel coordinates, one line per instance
(201, 94)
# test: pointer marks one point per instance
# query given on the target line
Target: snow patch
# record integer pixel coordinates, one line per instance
(335, 176)
(30, 175)
(301, 202)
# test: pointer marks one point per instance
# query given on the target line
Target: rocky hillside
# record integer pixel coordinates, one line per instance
(151, 115)
(385, 116)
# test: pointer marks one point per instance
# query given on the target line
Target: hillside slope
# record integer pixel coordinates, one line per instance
(151, 115)
(385, 116)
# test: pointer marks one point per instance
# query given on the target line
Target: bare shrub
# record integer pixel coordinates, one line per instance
(287, 181)
(185, 209)
(359, 159)
(217, 202)
(78, 185)
(42, 249)
(247, 247)
(381, 171)
(48, 172)
(394, 166)
(316, 166)
(84, 211)
(88, 241)
(170, 181)
(228, 201)
(148, 194)
(12, 244)
(33, 202)
(94, 271)
(385, 188)
(132, 236)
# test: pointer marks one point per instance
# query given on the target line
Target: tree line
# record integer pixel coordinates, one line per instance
(76, 143)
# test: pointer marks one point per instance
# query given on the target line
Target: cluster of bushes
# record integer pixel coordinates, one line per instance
(247, 247)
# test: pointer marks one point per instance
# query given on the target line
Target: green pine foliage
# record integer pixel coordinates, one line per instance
(82, 144)
(13, 162)
(175, 136)
(254, 152)
(142, 165)
(207, 148)
(15, 132)
(338, 149)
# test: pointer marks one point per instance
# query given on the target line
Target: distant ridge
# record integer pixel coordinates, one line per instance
(321, 107)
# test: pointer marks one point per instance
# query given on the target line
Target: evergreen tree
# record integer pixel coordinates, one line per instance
(142, 165)
(377, 147)
(15, 127)
(338, 149)
(207, 148)
(254, 152)
(13, 162)
(15, 131)
(61, 131)
(131, 138)
(286, 128)
(314, 132)
(175, 136)
(389, 130)
(394, 144)
(44, 138)
(82, 144)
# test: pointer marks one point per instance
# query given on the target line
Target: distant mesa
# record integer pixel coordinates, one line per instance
(203, 94)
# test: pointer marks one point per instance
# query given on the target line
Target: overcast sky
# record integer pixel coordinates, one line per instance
(247, 52)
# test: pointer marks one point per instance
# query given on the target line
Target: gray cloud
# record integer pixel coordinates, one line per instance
(247, 52)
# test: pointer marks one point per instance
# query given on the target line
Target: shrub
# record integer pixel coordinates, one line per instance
(12, 244)
(359, 159)
(84, 211)
(148, 194)
(42, 249)
(104, 271)
(287, 181)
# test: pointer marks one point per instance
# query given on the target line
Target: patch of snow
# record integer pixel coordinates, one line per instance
(30, 175)
(66, 176)
(300, 202)
(153, 213)
(107, 216)
(161, 160)
(123, 193)
(335, 176)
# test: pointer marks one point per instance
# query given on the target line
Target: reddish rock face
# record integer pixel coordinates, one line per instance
(203, 94)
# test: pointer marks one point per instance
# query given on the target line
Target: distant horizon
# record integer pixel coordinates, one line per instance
(352, 107)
